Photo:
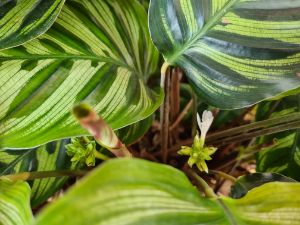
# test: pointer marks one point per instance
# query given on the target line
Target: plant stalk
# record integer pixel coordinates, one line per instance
(208, 191)
(223, 175)
(43, 174)
(164, 111)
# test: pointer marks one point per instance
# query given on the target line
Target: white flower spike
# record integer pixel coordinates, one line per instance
(205, 123)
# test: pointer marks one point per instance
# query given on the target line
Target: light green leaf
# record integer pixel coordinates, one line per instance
(135, 192)
(274, 203)
(98, 52)
(234, 52)
(23, 20)
(49, 157)
(14, 203)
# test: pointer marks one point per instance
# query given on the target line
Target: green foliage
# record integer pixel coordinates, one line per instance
(234, 53)
(22, 21)
(282, 155)
(132, 191)
(14, 203)
(132, 133)
(98, 52)
(248, 182)
(96, 57)
(49, 157)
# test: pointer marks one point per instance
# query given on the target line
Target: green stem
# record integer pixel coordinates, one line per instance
(43, 174)
(208, 191)
(223, 175)
(100, 156)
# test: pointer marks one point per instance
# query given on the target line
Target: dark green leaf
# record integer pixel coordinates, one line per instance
(132, 133)
(235, 53)
(282, 155)
(49, 157)
(248, 182)
(23, 20)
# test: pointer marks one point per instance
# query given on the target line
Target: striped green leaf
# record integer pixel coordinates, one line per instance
(48, 157)
(14, 203)
(282, 151)
(135, 192)
(132, 133)
(98, 52)
(283, 156)
(247, 182)
(23, 20)
(234, 52)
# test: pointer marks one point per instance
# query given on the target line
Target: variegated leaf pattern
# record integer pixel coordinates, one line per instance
(14, 203)
(281, 153)
(23, 20)
(234, 52)
(156, 194)
(130, 134)
(98, 52)
(49, 157)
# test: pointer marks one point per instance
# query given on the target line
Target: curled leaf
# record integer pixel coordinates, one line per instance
(100, 130)
(96, 126)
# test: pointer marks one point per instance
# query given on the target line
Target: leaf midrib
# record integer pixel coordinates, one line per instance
(210, 24)
(227, 212)
(75, 57)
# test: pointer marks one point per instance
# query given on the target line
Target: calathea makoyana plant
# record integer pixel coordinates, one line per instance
(79, 85)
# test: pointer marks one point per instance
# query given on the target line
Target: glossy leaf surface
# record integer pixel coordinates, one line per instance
(98, 52)
(134, 132)
(21, 21)
(248, 182)
(282, 151)
(234, 52)
(49, 157)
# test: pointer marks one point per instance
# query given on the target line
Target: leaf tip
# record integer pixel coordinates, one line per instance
(82, 110)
